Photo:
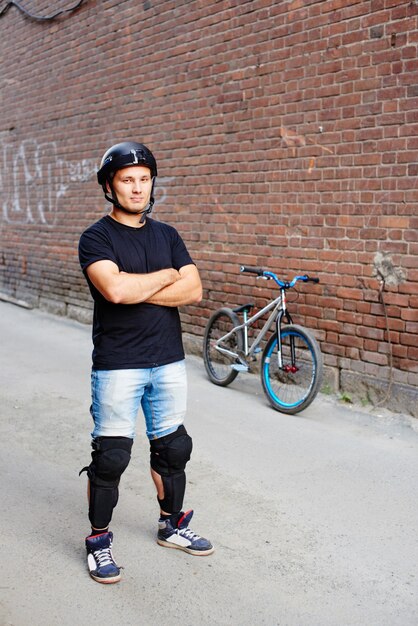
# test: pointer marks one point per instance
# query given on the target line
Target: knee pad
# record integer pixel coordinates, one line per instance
(169, 456)
(110, 458)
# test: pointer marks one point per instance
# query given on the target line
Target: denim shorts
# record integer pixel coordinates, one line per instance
(118, 394)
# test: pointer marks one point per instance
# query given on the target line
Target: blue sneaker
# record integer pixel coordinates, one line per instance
(100, 561)
(179, 536)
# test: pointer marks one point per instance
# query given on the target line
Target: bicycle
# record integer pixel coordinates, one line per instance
(291, 361)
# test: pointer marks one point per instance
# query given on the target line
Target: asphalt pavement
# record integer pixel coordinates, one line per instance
(314, 517)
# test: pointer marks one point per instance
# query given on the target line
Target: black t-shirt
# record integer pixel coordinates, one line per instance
(134, 335)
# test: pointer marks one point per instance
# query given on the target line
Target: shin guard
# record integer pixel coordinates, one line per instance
(110, 458)
(169, 456)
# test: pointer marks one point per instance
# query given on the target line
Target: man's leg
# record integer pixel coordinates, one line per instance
(169, 455)
(116, 396)
(110, 458)
(164, 405)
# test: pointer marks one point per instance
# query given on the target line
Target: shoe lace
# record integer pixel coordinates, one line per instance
(188, 534)
(103, 557)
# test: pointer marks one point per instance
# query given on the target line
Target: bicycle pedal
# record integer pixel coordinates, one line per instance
(239, 367)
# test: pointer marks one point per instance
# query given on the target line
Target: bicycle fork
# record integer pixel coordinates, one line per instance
(285, 313)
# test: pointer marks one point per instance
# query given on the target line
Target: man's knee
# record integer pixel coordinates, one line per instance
(110, 458)
(169, 455)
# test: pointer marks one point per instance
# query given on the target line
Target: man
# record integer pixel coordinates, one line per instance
(138, 271)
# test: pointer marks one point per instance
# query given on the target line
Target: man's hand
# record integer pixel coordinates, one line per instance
(187, 290)
(124, 288)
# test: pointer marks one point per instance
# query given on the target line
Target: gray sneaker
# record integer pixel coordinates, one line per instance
(101, 564)
(178, 535)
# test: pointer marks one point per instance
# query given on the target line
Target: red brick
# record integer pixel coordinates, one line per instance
(413, 353)
(410, 315)
(373, 357)
(370, 333)
(408, 340)
(350, 341)
(394, 221)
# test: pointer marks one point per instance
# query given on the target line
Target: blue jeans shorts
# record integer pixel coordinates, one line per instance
(118, 394)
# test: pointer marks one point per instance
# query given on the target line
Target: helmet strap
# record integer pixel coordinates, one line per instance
(146, 211)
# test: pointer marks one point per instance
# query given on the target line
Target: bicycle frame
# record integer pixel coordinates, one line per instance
(278, 311)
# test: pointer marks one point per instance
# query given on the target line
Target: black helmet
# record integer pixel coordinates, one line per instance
(123, 155)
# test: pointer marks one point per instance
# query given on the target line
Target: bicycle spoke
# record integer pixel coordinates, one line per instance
(293, 386)
(218, 354)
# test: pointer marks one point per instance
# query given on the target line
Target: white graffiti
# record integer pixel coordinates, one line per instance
(34, 179)
(161, 189)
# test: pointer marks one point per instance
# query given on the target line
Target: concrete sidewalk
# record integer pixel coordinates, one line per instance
(314, 516)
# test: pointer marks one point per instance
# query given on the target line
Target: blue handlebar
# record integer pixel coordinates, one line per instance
(271, 276)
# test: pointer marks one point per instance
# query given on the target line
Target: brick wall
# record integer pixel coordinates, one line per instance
(286, 135)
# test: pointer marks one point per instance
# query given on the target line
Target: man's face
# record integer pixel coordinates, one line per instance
(132, 186)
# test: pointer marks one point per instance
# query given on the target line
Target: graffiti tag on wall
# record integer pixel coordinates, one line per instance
(34, 178)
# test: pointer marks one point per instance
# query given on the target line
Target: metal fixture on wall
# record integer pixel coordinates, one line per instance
(39, 18)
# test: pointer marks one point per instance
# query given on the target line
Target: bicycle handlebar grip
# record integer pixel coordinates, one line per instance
(314, 280)
(252, 270)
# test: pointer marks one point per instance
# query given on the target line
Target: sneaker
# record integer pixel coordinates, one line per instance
(100, 561)
(181, 537)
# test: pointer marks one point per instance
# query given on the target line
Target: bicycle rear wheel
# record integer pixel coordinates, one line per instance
(219, 365)
(292, 387)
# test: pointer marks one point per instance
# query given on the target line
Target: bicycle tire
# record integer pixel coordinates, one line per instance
(219, 366)
(292, 390)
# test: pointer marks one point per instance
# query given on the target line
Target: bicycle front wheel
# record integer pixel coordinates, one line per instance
(292, 387)
(219, 364)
